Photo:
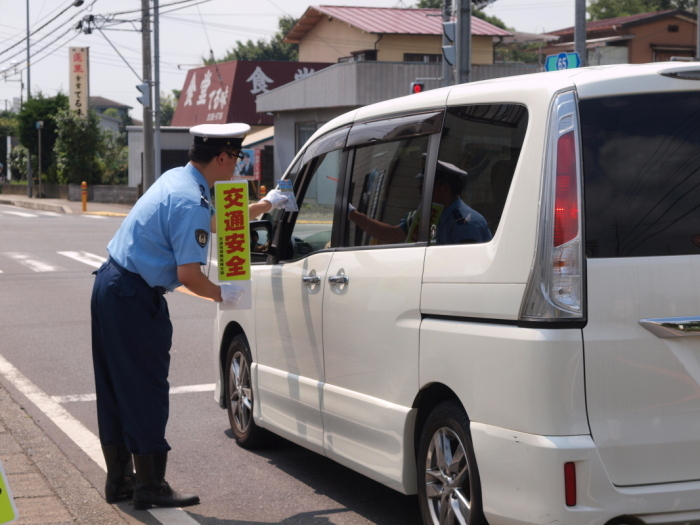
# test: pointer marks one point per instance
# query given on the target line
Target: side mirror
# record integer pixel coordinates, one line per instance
(260, 237)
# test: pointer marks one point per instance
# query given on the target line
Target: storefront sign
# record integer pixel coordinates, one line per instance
(226, 92)
(79, 79)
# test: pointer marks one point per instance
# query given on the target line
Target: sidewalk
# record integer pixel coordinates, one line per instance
(66, 206)
(47, 488)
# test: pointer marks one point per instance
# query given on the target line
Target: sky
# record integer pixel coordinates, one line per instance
(188, 32)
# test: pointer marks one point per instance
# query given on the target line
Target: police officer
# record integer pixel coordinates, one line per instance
(457, 224)
(160, 245)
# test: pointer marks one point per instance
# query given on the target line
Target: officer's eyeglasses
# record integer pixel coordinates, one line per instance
(238, 156)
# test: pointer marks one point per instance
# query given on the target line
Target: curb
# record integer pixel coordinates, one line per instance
(57, 208)
(47, 487)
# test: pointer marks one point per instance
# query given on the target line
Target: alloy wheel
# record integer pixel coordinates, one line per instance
(447, 479)
(239, 387)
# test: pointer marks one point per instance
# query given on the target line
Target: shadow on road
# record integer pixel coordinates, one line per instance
(317, 517)
(358, 494)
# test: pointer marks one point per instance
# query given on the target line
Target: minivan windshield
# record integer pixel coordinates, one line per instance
(641, 163)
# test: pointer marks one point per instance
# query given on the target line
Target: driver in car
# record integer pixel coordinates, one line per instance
(457, 223)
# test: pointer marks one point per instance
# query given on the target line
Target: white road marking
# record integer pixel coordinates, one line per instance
(20, 213)
(73, 428)
(85, 257)
(209, 387)
(80, 434)
(94, 217)
(49, 213)
(33, 264)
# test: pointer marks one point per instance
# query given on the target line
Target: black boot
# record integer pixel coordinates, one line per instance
(120, 473)
(151, 487)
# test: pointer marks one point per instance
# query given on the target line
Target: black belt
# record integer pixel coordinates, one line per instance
(114, 264)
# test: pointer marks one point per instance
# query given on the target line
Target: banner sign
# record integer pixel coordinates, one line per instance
(232, 231)
(79, 80)
(257, 167)
(8, 511)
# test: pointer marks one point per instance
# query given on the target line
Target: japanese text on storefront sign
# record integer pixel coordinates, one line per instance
(233, 235)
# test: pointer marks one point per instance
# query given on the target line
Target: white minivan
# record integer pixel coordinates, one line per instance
(528, 354)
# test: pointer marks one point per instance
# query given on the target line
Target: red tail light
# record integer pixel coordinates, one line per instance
(570, 483)
(566, 201)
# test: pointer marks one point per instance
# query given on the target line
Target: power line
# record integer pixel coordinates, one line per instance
(46, 24)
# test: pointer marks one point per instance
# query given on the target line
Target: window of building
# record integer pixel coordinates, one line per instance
(422, 57)
(304, 132)
(366, 55)
(673, 28)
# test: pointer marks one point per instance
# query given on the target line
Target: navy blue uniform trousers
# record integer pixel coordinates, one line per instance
(131, 339)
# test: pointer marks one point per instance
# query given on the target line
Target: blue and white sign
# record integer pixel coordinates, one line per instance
(562, 61)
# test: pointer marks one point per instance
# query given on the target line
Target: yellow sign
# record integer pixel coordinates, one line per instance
(8, 511)
(232, 231)
(435, 212)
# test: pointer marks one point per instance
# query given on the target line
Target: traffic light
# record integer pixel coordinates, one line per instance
(417, 87)
(449, 52)
(145, 97)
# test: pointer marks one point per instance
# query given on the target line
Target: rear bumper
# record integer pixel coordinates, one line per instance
(522, 479)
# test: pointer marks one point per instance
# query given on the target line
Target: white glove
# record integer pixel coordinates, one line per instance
(276, 199)
(230, 293)
(351, 208)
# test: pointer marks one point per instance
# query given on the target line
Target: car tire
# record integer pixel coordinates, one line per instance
(448, 479)
(238, 389)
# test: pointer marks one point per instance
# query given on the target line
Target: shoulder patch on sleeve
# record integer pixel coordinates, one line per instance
(202, 237)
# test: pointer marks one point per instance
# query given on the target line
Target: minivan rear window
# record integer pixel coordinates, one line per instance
(641, 165)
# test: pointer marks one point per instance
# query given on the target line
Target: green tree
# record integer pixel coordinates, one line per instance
(8, 127)
(168, 104)
(41, 108)
(18, 162)
(114, 162)
(437, 4)
(274, 49)
(602, 9)
(79, 148)
(493, 20)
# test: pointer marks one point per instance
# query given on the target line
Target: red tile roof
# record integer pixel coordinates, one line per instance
(608, 23)
(387, 20)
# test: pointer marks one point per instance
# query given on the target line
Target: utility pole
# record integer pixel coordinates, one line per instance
(148, 174)
(580, 32)
(446, 68)
(464, 41)
(30, 182)
(156, 87)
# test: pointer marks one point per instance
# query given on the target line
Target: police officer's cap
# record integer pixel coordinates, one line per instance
(223, 135)
(447, 170)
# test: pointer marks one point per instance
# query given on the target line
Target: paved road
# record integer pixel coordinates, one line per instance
(46, 260)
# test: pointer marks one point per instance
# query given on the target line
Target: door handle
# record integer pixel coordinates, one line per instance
(339, 279)
(673, 326)
(311, 279)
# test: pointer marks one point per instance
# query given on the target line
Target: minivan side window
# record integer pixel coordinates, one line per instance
(478, 154)
(641, 165)
(385, 192)
(314, 221)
